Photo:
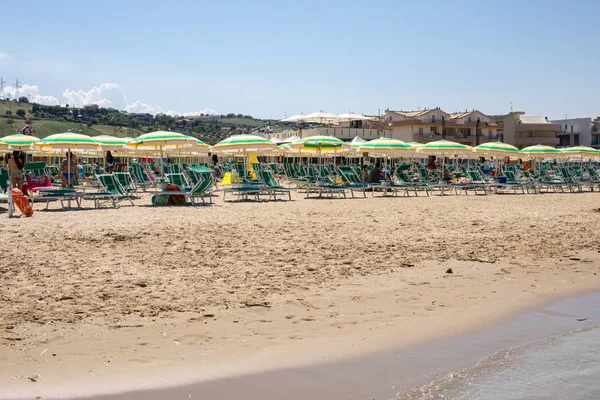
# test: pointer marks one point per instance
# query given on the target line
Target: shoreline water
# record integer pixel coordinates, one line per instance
(385, 375)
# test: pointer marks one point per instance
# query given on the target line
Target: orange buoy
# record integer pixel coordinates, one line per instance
(22, 202)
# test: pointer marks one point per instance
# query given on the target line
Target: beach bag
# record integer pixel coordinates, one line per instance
(22, 202)
(174, 198)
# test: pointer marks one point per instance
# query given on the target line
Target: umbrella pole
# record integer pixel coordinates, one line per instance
(162, 165)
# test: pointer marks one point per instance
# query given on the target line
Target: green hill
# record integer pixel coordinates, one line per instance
(93, 120)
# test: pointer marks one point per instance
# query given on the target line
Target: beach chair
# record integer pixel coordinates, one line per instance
(36, 176)
(126, 181)
(272, 186)
(352, 180)
(111, 191)
(140, 176)
(180, 180)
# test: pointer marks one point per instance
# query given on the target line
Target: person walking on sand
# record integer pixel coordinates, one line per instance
(15, 167)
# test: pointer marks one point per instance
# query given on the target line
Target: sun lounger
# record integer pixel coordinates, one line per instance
(202, 188)
(111, 191)
(272, 186)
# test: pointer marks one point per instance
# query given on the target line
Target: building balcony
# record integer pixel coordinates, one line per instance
(470, 140)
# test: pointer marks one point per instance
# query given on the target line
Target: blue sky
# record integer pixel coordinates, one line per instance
(266, 58)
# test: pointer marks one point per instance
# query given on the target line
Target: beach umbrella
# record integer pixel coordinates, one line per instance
(386, 146)
(295, 118)
(497, 148)
(160, 140)
(414, 145)
(3, 146)
(350, 116)
(19, 141)
(68, 141)
(541, 151)
(111, 142)
(444, 148)
(575, 151)
(321, 144)
(245, 144)
(321, 117)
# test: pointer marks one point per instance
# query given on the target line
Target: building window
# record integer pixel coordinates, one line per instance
(571, 128)
(576, 140)
(421, 131)
(433, 119)
(489, 133)
(566, 127)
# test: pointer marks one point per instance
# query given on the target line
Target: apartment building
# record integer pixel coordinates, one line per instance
(574, 132)
(469, 127)
(521, 131)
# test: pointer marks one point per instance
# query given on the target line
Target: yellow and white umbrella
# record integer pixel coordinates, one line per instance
(19, 141)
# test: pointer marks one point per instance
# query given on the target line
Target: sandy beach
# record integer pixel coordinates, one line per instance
(100, 301)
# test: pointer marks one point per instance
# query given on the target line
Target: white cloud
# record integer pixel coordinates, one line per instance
(105, 95)
(112, 95)
(32, 92)
(4, 56)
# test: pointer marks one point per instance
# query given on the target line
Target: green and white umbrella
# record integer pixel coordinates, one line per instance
(158, 141)
(244, 144)
(3, 146)
(415, 145)
(19, 141)
(496, 149)
(111, 142)
(541, 151)
(321, 145)
(444, 147)
(67, 141)
(385, 146)
(575, 151)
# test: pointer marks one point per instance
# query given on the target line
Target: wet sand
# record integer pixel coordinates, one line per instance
(387, 375)
(100, 301)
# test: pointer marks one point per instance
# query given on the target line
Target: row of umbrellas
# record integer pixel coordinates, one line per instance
(164, 140)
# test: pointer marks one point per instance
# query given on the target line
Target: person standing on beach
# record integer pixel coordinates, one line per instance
(68, 170)
(215, 159)
(110, 162)
(15, 167)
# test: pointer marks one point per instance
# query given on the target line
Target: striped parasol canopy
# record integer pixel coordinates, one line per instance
(497, 148)
(67, 141)
(3, 146)
(444, 147)
(160, 140)
(244, 144)
(111, 142)
(321, 144)
(541, 151)
(197, 147)
(385, 146)
(19, 141)
(577, 151)
(415, 145)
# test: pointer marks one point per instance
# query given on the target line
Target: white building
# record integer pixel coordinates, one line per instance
(574, 132)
